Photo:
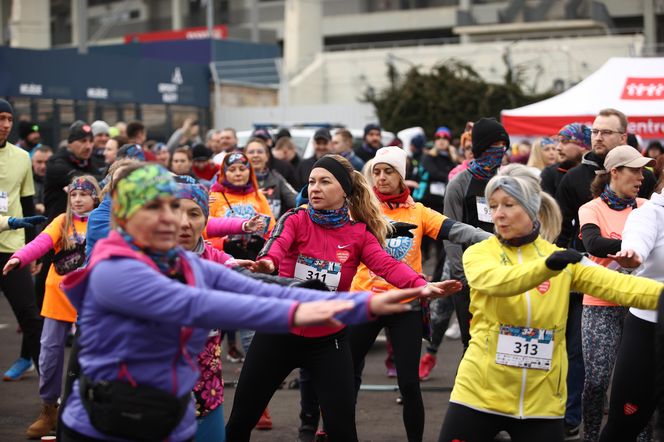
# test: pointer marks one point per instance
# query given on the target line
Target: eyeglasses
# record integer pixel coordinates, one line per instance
(605, 132)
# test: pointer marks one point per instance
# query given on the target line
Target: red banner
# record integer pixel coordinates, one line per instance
(646, 127)
(218, 32)
(637, 88)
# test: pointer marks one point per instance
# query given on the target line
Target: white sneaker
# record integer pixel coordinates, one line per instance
(453, 331)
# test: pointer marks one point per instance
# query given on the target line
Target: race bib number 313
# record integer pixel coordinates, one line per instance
(525, 347)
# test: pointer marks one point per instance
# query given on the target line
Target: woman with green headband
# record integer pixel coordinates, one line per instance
(146, 307)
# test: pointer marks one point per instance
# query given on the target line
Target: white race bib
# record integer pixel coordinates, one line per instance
(438, 188)
(4, 202)
(329, 272)
(483, 211)
(525, 347)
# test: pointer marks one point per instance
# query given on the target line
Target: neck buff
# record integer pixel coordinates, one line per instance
(399, 198)
(332, 219)
(167, 262)
(615, 202)
(485, 167)
(200, 247)
(77, 161)
(522, 240)
(190, 189)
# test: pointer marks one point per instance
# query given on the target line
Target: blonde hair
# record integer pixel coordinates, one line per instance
(536, 158)
(66, 243)
(110, 183)
(363, 204)
(549, 214)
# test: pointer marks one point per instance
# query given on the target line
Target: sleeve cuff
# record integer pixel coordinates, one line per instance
(291, 315)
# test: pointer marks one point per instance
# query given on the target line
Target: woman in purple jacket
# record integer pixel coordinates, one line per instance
(146, 307)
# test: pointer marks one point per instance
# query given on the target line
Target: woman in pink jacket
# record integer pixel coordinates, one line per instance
(322, 243)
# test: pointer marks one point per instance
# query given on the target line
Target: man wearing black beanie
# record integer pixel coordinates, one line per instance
(370, 143)
(16, 192)
(464, 201)
(28, 134)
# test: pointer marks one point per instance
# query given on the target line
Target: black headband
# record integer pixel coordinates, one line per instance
(338, 171)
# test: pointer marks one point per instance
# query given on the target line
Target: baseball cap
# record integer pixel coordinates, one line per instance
(625, 156)
(323, 133)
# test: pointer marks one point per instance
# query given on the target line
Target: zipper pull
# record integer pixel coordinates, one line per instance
(336, 343)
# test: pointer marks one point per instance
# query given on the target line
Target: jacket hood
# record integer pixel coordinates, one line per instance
(592, 159)
(658, 198)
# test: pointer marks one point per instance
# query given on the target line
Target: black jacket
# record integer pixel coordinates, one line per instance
(284, 168)
(574, 191)
(60, 169)
(302, 172)
(365, 152)
(438, 169)
(552, 175)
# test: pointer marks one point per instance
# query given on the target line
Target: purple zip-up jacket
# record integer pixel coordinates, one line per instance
(132, 316)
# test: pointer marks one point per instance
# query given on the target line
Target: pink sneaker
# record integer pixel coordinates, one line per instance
(427, 363)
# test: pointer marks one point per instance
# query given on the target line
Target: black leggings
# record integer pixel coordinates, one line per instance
(465, 424)
(406, 334)
(633, 387)
(272, 357)
(461, 300)
(18, 288)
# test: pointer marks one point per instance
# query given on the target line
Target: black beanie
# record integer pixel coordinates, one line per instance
(78, 131)
(25, 128)
(487, 131)
(6, 107)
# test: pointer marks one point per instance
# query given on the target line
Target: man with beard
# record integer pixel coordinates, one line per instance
(573, 142)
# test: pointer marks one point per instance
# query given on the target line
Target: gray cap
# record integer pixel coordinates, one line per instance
(99, 127)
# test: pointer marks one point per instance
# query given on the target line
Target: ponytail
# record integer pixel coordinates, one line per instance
(363, 204)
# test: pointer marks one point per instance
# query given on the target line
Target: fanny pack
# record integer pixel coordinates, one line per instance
(66, 261)
(139, 413)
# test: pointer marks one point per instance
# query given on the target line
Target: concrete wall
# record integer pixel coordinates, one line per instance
(343, 77)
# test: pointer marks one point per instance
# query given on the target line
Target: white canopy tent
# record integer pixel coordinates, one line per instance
(634, 86)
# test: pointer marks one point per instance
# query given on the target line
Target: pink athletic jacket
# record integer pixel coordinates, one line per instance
(302, 249)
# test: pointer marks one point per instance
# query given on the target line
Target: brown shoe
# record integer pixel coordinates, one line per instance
(45, 423)
(265, 422)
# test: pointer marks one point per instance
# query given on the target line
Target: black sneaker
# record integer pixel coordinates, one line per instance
(572, 432)
(306, 433)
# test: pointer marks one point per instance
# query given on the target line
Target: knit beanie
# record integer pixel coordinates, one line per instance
(576, 133)
(392, 155)
(369, 127)
(25, 128)
(6, 107)
(78, 131)
(100, 127)
(487, 131)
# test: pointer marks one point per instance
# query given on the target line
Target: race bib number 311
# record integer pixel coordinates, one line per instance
(329, 272)
(525, 347)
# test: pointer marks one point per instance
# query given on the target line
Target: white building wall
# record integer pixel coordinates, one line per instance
(343, 77)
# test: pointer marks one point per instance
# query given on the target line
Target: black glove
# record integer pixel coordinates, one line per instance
(28, 221)
(402, 229)
(559, 260)
(312, 284)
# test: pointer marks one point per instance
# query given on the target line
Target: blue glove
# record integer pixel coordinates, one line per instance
(28, 221)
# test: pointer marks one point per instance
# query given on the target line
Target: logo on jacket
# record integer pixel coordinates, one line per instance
(544, 287)
(398, 247)
(241, 211)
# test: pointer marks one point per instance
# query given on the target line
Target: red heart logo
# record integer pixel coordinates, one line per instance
(544, 287)
(630, 409)
(343, 255)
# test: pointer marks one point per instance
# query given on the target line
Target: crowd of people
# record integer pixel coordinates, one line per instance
(546, 252)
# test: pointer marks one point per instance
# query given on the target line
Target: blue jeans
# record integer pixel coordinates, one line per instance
(575, 372)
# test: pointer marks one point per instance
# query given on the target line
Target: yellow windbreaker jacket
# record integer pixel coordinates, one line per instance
(512, 286)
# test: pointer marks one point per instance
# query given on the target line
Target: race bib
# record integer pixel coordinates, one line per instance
(483, 211)
(329, 272)
(525, 347)
(438, 188)
(4, 202)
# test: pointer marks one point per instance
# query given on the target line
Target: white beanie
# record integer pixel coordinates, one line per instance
(99, 127)
(394, 156)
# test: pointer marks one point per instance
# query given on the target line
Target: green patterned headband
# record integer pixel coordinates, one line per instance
(140, 187)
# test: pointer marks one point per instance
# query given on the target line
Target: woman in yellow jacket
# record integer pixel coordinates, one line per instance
(512, 377)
